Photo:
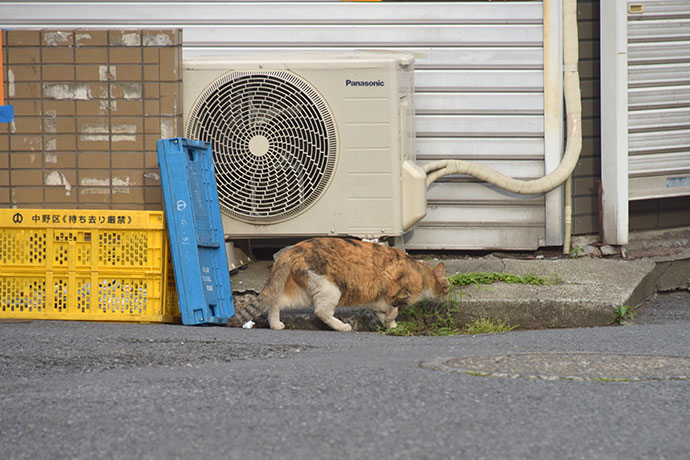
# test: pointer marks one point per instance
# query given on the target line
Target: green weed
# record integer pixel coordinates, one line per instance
(487, 326)
(427, 319)
(576, 252)
(437, 320)
(478, 278)
(623, 313)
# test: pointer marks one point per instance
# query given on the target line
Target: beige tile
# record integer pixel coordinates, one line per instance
(57, 55)
(23, 38)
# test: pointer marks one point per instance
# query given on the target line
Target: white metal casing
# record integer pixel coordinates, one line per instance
(375, 143)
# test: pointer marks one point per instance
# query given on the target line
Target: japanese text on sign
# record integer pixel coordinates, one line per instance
(49, 218)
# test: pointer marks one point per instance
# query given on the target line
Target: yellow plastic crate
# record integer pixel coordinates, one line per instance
(96, 265)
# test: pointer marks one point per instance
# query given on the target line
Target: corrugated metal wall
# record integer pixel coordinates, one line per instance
(479, 86)
(659, 98)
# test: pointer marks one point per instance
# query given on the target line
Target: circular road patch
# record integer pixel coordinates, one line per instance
(603, 367)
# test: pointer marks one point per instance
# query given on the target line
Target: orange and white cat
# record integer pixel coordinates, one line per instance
(345, 272)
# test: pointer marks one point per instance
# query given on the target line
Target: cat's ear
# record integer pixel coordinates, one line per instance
(439, 270)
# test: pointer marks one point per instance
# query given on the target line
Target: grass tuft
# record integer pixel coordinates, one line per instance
(478, 278)
(437, 320)
(488, 326)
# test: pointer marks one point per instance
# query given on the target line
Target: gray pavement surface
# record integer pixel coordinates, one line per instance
(71, 390)
(665, 308)
(136, 391)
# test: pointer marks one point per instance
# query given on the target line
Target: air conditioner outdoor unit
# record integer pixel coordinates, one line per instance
(309, 144)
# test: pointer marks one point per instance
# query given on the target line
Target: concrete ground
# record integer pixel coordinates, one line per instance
(89, 390)
(581, 291)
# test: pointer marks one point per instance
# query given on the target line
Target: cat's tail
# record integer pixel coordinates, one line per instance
(274, 286)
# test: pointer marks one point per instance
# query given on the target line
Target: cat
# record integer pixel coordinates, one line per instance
(345, 272)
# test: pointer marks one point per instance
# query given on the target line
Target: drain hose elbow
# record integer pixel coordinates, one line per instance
(438, 169)
(571, 90)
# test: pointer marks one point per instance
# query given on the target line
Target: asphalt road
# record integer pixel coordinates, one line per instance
(95, 390)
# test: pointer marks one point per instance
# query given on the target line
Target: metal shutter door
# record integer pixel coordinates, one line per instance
(658, 98)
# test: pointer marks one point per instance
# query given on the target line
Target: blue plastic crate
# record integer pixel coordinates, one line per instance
(195, 230)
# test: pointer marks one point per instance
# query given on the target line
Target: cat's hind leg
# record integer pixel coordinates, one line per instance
(274, 318)
(326, 295)
(291, 297)
(280, 303)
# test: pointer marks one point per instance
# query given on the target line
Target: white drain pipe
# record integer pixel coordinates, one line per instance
(562, 173)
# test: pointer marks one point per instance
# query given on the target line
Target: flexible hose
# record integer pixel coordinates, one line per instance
(571, 90)
(568, 213)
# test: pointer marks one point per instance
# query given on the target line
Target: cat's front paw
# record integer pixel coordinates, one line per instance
(279, 326)
(345, 328)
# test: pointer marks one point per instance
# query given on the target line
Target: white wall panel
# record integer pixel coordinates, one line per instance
(479, 103)
(479, 85)
(651, 52)
(447, 57)
(472, 148)
(506, 80)
(656, 74)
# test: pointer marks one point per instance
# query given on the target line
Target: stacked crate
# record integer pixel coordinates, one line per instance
(85, 265)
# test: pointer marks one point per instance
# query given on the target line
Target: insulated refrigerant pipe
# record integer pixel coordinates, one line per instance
(573, 105)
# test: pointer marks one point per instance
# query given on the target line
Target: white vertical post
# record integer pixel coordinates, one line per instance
(553, 115)
(614, 120)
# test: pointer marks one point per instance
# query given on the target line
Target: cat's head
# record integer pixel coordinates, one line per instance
(441, 286)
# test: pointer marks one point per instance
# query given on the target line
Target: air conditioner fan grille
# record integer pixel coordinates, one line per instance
(274, 143)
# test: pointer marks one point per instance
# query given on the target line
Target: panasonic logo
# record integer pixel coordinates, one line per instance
(364, 83)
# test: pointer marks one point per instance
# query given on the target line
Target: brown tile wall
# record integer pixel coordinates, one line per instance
(587, 172)
(660, 213)
(89, 107)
